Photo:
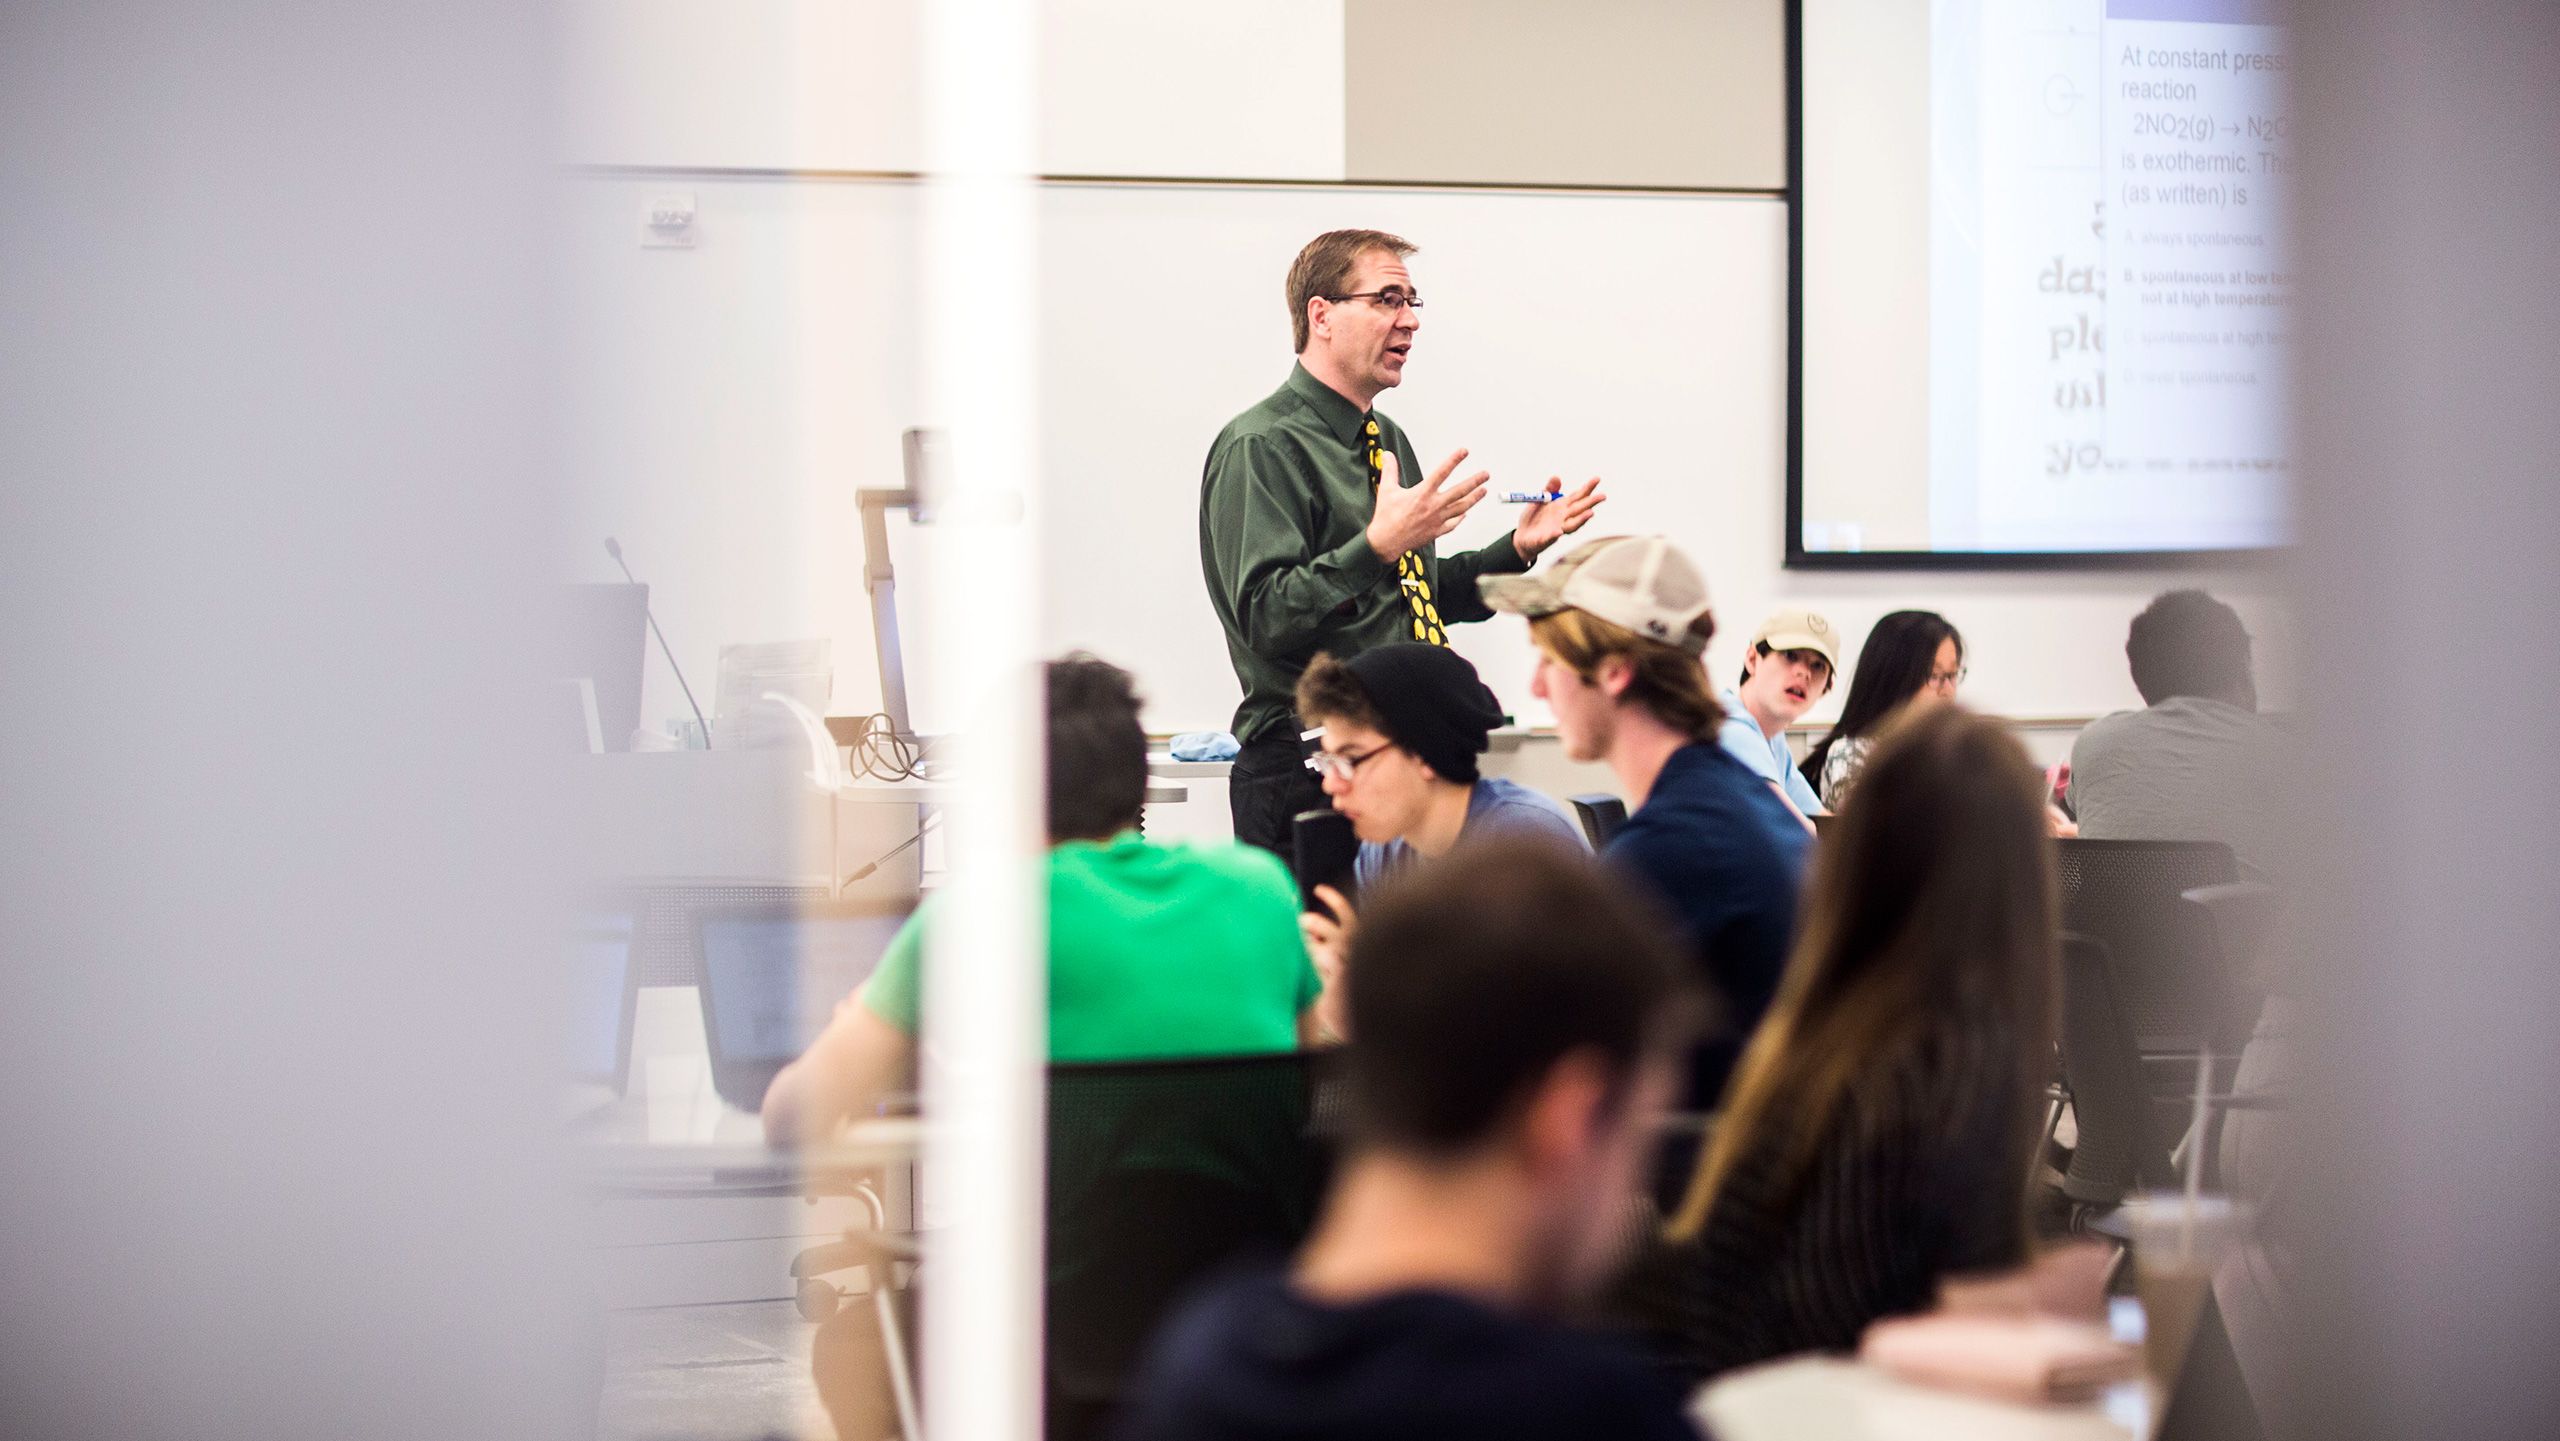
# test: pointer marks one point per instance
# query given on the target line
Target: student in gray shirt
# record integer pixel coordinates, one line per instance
(2198, 763)
(1403, 725)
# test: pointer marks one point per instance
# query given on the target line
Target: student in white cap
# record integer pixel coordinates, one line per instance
(1790, 665)
(1620, 625)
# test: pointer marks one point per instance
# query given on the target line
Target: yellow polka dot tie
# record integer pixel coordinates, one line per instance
(1409, 573)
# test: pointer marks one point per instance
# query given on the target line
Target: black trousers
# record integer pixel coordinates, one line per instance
(1269, 785)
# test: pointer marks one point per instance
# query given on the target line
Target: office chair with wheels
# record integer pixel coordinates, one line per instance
(2119, 1150)
(2236, 923)
(2175, 992)
(1161, 1173)
(2240, 922)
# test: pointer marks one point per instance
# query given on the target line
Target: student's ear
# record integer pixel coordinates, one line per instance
(1565, 1113)
(1614, 675)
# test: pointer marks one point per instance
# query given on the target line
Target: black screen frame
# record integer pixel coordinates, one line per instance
(1798, 557)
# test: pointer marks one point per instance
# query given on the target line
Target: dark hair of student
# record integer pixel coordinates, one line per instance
(1097, 749)
(1328, 691)
(1468, 982)
(1929, 922)
(1893, 666)
(2187, 643)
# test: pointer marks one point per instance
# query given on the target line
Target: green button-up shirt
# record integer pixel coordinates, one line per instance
(1284, 518)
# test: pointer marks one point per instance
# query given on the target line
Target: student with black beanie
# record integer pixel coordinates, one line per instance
(1403, 725)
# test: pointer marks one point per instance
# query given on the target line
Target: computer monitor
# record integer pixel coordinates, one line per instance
(601, 998)
(602, 636)
(771, 976)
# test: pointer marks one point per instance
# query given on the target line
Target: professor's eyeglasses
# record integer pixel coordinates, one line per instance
(1394, 302)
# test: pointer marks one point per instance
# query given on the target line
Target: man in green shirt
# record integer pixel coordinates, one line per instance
(1154, 950)
(1311, 539)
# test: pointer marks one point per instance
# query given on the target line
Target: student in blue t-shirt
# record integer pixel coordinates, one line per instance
(1791, 662)
(1620, 625)
(1403, 725)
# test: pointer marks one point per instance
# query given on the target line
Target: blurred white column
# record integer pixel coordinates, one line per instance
(2430, 510)
(278, 1069)
(986, 989)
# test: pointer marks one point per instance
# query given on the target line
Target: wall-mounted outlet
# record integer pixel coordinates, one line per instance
(666, 223)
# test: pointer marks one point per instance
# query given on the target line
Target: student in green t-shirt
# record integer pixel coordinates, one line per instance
(1154, 950)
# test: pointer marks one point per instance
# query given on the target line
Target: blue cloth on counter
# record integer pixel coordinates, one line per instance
(1204, 746)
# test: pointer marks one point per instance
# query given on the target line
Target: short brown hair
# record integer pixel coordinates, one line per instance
(1097, 750)
(1328, 691)
(1467, 983)
(1325, 266)
(1669, 681)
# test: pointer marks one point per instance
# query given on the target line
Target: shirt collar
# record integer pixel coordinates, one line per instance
(1338, 413)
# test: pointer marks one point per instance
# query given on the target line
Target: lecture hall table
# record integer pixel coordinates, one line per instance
(1833, 1398)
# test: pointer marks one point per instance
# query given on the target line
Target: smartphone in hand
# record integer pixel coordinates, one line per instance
(1322, 848)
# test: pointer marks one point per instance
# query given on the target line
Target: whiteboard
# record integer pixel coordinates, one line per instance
(726, 402)
(1637, 338)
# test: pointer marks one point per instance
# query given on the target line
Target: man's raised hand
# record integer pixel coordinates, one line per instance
(1544, 524)
(1411, 517)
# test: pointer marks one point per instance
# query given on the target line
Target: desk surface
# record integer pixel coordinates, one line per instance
(934, 792)
(1829, 1398)
(691, 1142)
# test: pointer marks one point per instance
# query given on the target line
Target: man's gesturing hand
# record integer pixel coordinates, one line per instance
(1409, 519)
(1543, 525)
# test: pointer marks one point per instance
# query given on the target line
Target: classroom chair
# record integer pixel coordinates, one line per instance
(2176, 993)
(1601, 815)
(1159, 1173)
(2119, 1149)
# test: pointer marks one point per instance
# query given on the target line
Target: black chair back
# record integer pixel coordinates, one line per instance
(2129, 894)
(2119, 1150)
(2239, 921)
(1601, 814)
(1161, 1173)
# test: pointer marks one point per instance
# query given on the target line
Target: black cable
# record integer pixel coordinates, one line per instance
(891, 854)
(881, 754)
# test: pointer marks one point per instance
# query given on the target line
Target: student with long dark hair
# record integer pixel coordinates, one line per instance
(1911, 655)
(1873, 1152)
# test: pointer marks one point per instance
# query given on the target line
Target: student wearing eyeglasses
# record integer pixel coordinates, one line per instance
(1403, 725)
(1314, 537)
(1912, 657)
